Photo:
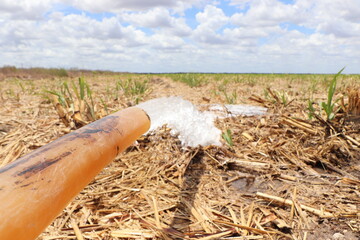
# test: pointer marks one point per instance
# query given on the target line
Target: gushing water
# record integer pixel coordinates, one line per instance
(192, 126)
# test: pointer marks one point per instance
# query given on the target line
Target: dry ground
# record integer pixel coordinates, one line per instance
(286, 177)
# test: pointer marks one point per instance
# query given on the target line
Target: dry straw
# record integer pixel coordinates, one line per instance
(284, 178)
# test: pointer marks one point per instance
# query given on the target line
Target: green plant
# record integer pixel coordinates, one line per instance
(32, 89)
(313, 87)
(105, 106)
(20, 84)
(266, 94)
(111, 93)
(58, 72)
(284, 98)
(250, 81)
(135, 88)
(218, 76)
(277, 96)
(132, 87)
(11, 94)
(238, 79)
(329, 106)
(227, 136)
(222, 86)
(231, 98)
(91, 106)
(65, 94)
(191, 79)
(311, 109)
(74, 104)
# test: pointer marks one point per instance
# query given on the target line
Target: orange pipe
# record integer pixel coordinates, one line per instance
(37, 187)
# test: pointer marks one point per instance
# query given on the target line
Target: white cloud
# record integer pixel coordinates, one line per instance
(154, 18)
(340, 18)
(162, 41)
(241, 4)
(158, 18)
(120, 5)
(70, 40)
(23, 9)
(133, 5)
(182, 35)
(210, 21)
(83, 27)
(212, 17)
(266, 13)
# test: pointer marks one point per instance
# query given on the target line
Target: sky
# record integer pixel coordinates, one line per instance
(245, 36)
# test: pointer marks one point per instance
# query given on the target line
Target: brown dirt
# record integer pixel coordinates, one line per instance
(204, 193)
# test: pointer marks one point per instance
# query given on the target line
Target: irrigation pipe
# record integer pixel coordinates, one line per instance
(37, 187)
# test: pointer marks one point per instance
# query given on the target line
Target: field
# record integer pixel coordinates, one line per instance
(293, 173)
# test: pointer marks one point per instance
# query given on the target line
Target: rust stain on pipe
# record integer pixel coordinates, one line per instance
(37, 187)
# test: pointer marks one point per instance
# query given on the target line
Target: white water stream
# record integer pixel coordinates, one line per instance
(192, 126)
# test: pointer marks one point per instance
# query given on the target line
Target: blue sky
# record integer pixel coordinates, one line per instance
(283, 36)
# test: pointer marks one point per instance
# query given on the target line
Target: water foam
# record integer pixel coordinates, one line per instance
(230, 110)
(192, 126)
